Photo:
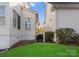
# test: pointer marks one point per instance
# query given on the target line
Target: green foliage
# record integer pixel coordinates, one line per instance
(65, 34)
(49, 36)
(75, 37)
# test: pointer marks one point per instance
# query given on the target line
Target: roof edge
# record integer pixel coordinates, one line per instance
(63, 2)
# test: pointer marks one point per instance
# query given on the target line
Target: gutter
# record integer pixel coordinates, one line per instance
(63, 2)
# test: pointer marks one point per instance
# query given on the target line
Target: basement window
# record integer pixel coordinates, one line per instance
(28, 23)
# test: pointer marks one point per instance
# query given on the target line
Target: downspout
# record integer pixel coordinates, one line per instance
(44, 24)
(35, 26)
(10, 26)
(55, 39)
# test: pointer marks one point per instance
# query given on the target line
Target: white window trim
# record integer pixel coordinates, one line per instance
(28, 23)
(3, 21)
(14, 15)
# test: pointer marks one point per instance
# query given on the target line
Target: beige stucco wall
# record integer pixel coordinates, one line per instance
(50, 19)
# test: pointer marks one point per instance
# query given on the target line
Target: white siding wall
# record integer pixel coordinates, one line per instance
(10, 35)
(4, 42)
(68, 18)
(28, 34)
(5, 28)
(15, 32)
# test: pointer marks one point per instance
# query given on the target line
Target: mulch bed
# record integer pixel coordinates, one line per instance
(20, 43)
(71, 42)
(23, 42)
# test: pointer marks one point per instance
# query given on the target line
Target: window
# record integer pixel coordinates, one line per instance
(16, 20)
(18, 24)
(2, 10)
(2, 15)
(28, 23)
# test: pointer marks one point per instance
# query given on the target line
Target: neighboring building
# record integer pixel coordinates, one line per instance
(49, 22)
(39, 29)
(17, 23)
(29, 24)
(37, 24)
(62, 15)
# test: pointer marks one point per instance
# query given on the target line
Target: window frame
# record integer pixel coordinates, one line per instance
(28, 23)
(17, 20)
(14, 19)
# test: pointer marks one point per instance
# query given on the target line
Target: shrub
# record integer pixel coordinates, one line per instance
(76, 37)
(49, 36)
(74, 41)
(65, 34)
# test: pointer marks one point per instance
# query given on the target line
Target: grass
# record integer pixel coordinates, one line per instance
(43, 50)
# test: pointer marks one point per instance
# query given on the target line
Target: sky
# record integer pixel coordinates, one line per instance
(40, 8)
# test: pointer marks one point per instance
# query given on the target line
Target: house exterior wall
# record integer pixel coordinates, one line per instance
(68, 18)
(50, 20)
(10, 35)
(22, 34)
(7, 32)
(48, 17)
(15, 33)
(63, 16)
(5, 28)
(28, 34)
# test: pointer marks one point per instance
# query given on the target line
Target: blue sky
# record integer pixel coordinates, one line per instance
(40, 8)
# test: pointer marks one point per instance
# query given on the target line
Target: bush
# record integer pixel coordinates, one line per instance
(65, 34)
(76, 37)
(49, 36)
(74, 41)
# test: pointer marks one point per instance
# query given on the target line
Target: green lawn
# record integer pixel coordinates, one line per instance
(43, 49)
